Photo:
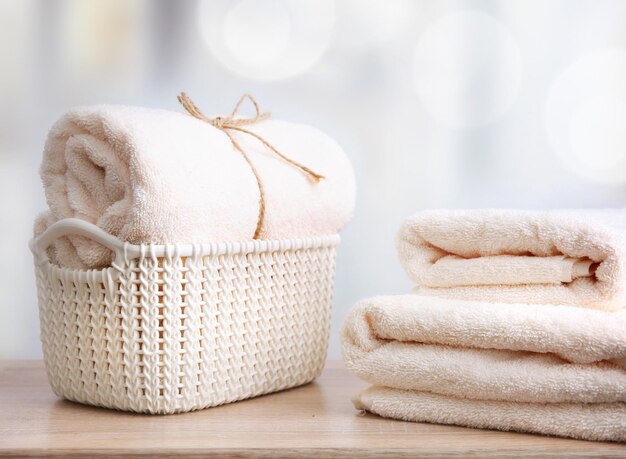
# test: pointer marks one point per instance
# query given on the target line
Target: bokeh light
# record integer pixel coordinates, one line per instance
(585, 112)
(467, 69)
(375, 22)
(101, 42)
(242, 25)
(269, 40)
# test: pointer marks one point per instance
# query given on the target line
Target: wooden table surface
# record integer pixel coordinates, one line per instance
(314, 420)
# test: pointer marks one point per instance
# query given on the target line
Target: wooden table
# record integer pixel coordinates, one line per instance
(314, 420)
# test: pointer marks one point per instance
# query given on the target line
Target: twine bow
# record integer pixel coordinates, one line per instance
(230, 123)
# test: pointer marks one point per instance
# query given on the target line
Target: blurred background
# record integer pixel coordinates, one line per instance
(437, 103)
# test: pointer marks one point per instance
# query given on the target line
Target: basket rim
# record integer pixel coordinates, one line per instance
(125, 251)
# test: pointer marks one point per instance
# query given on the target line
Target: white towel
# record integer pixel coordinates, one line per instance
(157, 176)
(561, 257)
(562, 358)
(600, 421)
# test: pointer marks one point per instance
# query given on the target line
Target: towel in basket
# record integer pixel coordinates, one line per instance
(161, 328)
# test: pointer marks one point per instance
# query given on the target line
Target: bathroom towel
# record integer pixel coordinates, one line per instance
(488, 355)
(506, 352)
(600, 422)
(155, 176)
(573, 257)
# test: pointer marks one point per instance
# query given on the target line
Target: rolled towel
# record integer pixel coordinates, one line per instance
(568, 358)
(155, 176)
(600, 422)
(571, 257)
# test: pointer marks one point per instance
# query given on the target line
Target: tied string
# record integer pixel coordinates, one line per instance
(230, 123)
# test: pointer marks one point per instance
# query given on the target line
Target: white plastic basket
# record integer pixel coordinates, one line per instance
(173, 328)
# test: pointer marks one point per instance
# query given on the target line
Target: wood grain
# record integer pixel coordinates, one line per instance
(316, 420)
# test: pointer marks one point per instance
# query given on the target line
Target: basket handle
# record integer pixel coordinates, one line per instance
(76, 226)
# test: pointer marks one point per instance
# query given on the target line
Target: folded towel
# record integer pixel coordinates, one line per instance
(156, 176)
(530, 353)
(600, 422)
(550, 257)
(570, 358)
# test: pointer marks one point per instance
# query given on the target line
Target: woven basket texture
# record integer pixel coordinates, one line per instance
(172, 333)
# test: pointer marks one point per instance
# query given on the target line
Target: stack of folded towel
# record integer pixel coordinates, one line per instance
(517, 322)
(155, 176)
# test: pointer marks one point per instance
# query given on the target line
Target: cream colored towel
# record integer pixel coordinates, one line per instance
(157, 176)
(568, 358)
(551, 257)
(600, 421)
